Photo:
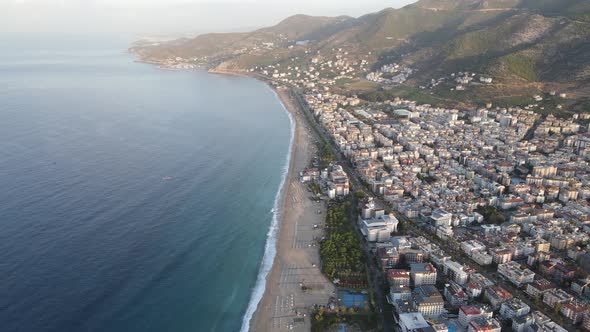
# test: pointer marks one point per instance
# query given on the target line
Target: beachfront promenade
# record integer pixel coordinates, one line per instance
(295, 282)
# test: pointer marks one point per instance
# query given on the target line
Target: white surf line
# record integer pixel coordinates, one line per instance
(270, 248)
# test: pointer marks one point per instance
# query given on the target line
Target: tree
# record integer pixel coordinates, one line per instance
(360, 195)
(491, 214)
(557, 308)
(341, 252)
(537, 301)
(326, 153)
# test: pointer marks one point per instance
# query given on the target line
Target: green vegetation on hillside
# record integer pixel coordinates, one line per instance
(521, 66)
(583, 105)
(472, 44)
(537, 41)
(557, 7)
(513, 101)
(388, 27)
(402, 91)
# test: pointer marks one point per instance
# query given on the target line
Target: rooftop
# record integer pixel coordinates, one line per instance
(422, 268)
(413, 320)
(470, 310)
(398, 274)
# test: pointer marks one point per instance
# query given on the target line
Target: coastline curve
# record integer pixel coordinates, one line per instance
(270, 247)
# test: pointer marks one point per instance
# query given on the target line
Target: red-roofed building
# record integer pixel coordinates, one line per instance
(510, 203)
(484, 325)
(455, 294)
(467, 313)
(389, 257)
(556, 271)
(505, 167)
(501, 255)
(399, 278)
(473, 289)
(574, 310)
(538, 287)
(497, 295)
(423, 274)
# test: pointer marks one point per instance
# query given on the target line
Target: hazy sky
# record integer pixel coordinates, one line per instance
(166, 17)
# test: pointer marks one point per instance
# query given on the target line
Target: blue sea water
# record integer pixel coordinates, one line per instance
(131, 198)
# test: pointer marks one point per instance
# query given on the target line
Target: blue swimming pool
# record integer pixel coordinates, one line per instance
(352, 300)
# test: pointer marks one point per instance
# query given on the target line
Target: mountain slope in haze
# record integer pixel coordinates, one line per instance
(525, 45)
(223, 45)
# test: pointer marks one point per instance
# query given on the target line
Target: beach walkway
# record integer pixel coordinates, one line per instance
(295, 282)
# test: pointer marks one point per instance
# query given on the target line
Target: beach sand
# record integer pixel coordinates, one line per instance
(297, 258)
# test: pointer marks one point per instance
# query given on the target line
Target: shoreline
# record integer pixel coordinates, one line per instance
(270, 246)
(296, 261)
(257, 316)
(295, 256)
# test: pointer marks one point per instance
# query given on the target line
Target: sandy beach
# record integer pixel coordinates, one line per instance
(284, 304)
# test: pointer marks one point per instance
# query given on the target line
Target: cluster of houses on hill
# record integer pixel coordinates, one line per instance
(459, 81)
(323, 70)
(390, 74)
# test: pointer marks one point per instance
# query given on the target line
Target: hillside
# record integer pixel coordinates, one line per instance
(525, 46)
(259, 42)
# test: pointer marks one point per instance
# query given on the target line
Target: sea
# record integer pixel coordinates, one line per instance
(133, 198)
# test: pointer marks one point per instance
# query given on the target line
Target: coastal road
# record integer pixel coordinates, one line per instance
(375, 275)
(341, 160)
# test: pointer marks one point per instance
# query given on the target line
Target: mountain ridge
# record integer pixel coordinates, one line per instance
(525, 45)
